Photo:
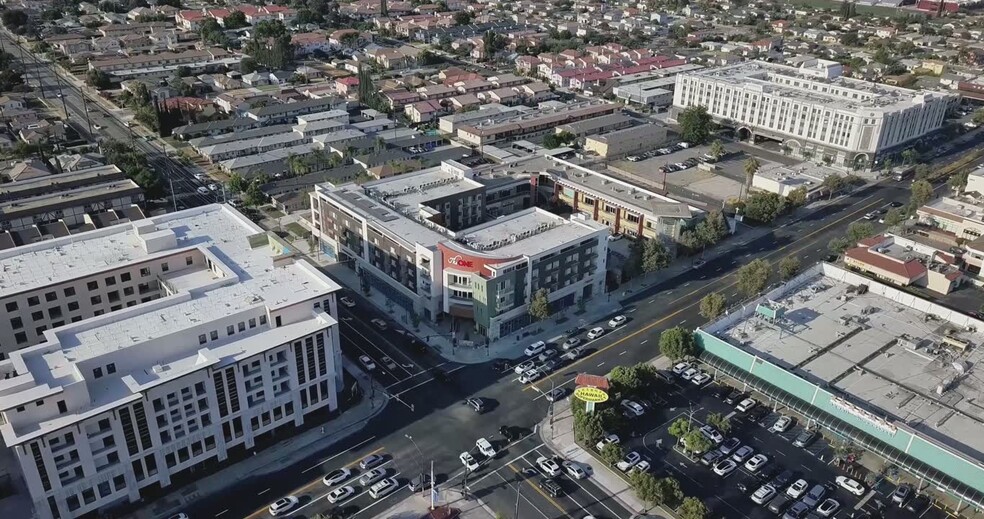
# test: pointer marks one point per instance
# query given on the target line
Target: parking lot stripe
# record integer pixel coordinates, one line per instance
(673, 303)
(539, 491)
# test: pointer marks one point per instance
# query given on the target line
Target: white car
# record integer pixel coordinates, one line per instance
(628, 461)
(763, 494)
(781, 425)
(745, 405)
(701, 378)
(574, 470)
(200, 177)
(633, 408)
(850, 485)
(743, 454)
(530, 375)
(725, 467)
(283, 505)
(367, 362)
(383, 488)
(572, 342)
(680, 367)
(594, 333)
(756, 463)
(525, 366)
(548, 466)
(372, 476)
(642, 466)
(611, 438)
(336, 476)
(535, 349)
(689, 374)
(347, 302)
(340, 494)
(709, 432)
(468, 461)
(797, 488)
(213, 187)
(829, 507)
(617, 321)
(202, 190)
(379, 323)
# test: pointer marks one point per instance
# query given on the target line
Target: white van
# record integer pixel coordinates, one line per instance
(485, 447)
(383, 488)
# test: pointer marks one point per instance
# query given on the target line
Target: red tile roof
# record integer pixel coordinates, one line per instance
(910, 270)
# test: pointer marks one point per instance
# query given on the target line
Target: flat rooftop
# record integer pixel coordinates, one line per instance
(408, 191)
(529, 232)
(841, 92)
(68, 198)
(878, 347)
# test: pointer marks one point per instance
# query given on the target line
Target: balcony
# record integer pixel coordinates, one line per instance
(64, 464)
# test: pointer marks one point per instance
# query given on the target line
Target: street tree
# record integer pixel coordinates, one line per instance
(720, 422)
(693, 508)
(922, 192)
(646, 487)
(679, 428)
(677, 343)
(588, 427)
(236, 184)
(764, 206)
(713, 229)
(654, 256)
(909, 156)
(894, 216)
(958, 181)
(612, 453)
(717, 149)
(696, 442)
(695, 124)
(626, 379)
(797, 197)
(750, 167)
(670, 492)
(712, 305)
(789, 267)
(858, 231)
(833, 184)
(839, 245)
(235, 20)
(539, 305)
(753, 276)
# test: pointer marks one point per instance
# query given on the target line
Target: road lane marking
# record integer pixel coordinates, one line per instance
(222, 512)
(506, 481)
(326, 460)
(415, 386)
(262, 492)
(671, 304)
(539, 491)
(644, 342)
(381, 351)
(514, 460)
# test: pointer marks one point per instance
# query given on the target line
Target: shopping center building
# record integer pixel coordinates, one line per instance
(870, 364)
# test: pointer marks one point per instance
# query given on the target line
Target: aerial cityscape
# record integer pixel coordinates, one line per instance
(331, 259)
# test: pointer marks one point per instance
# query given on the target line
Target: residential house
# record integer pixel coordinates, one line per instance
(424, 111)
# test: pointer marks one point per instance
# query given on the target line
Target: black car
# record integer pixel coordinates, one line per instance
(502, 365)
(748, 485)
(783, 479)
(757, 413)
(917, 504)
(768, 473)
(734, 397)
(551, 487)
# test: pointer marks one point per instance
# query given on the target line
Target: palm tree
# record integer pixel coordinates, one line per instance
(751, 167)
(717, 149)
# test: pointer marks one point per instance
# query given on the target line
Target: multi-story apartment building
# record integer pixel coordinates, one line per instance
(142, 351)
(813, 109)
(961, 217)
(538, 122)
(422, 238)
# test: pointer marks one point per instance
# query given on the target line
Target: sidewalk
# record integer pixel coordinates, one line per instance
(417, 505)
(559, 436)
(276, 457)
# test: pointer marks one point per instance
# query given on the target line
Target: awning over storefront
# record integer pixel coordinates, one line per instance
(463, 311)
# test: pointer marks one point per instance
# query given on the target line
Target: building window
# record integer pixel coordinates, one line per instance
(263, 319)
(70, 291)
(128, 291)
(16, 323)
(124, 277)
(40, 330)
(241, 327)
(164, 267)
(144, 272)
(61, 407)
(214, 335)
(37, 316)
(73, 306)
(110, 281)
(50, 296)
(95, 300)
(33, 301)
(97, 372)
(189, 260)
(12, 306)
(20, 337)
(111, 368)
(202, 339)
(92, 285)
(252, 323)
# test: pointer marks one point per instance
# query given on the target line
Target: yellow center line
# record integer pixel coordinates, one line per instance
(540, 491)
(306, 487)
(685, 296)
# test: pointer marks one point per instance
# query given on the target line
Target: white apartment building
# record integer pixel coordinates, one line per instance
(156, 347)
(813, 109)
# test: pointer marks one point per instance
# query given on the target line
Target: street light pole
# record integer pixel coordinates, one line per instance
(420, 461)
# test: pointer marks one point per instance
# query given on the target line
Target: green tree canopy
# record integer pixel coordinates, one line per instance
(858, 231)
(753, 276)
(654, 256)
(789, 266)
(922, 192)
(693, 508)
(695, 124)
(719, 422)
(764, 206)
(235, 20)
(679, 428)
(612, 453)
(713, 305)
(677, 343)
(540, 305)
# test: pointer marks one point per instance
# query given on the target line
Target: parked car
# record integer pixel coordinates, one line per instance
(779, 503)
(367, 362)
(371, 461)
(468, 461)
(611, 438)
(388, 362)
(805, 438)
(594, 333)
(917, 504)
(725, 467)
(347, 302)
(642, 466)
(701, 378)
(421, 482)
(372, 476)
(850, 485)
(709, 432)
(763, 494)
(782, 479)
(734, 397)
(829, 507)
(901, 494)
(573, 354)
(556, 394)
(547, 354)
(797, 488)
(632, 409)
(571, 343)
(680, 367)
(689, 374)
(783, 423)
(628, 461)
(617, 321)
(535, 349)
(729, 446)
(745, 405)
(756, 463)
(383, 488)
(797, 511)
(815, 495)
(202, 190)
(574, 470)
(742, 454)
(711, 457)
(524, 366)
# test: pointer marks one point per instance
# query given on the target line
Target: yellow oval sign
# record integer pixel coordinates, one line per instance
(591, 394)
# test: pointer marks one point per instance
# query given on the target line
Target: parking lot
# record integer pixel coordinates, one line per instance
(730, 495)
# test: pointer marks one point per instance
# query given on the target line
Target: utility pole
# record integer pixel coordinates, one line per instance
(420, 462)
(433, 487)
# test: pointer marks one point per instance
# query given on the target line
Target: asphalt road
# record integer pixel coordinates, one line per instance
(177, 177)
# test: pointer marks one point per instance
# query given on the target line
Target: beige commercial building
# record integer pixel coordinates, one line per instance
(625, 141)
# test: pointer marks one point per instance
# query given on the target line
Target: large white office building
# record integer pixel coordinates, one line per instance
(139, 352)
(813, 109)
